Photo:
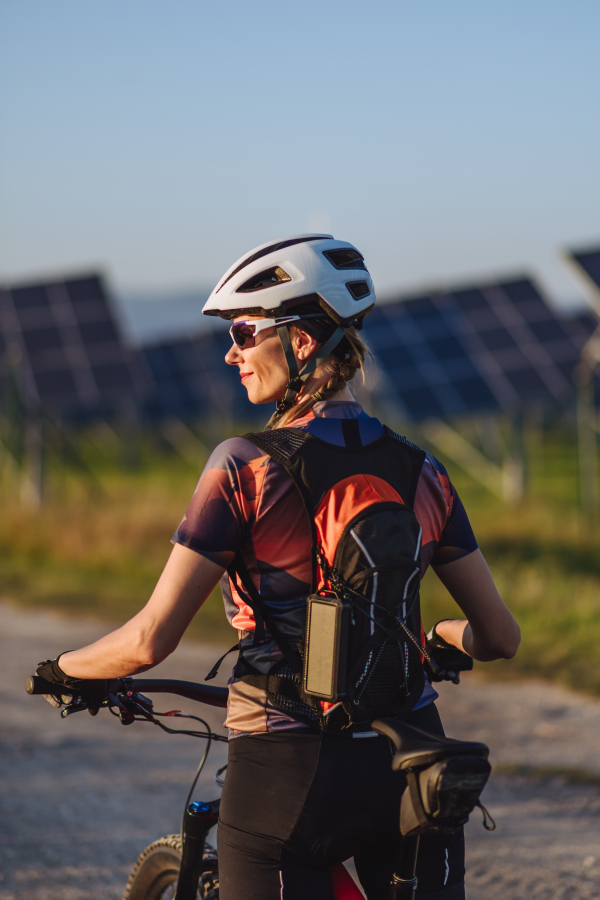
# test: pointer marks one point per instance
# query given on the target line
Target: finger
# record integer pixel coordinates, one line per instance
(52, 700)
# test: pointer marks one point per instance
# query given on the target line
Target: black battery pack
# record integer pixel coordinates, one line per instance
(326, 647)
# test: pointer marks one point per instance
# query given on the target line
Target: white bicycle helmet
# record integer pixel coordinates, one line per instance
(308, 274)
(279, 275)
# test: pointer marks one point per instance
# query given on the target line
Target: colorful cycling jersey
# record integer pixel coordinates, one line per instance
(245, 502)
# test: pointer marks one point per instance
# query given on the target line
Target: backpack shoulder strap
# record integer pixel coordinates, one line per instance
(403, 440)
(417, 455)
(280, 443)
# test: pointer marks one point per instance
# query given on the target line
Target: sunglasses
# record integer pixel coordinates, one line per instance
(243, 333)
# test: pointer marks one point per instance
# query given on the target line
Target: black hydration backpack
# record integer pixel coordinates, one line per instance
(361, 654)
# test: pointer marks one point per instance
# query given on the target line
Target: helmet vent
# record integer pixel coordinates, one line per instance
(345, 258)
(272, 248)
(358, 289)
(267, 278)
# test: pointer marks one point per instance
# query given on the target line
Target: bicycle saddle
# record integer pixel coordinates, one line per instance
(415, 747)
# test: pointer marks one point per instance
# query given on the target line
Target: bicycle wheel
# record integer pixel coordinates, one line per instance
(154, 876)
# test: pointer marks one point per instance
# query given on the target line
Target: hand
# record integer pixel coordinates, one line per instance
(450, 659)
(93, 692)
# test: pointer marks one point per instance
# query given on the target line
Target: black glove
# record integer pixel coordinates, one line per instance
(450, 660)
(92, 692)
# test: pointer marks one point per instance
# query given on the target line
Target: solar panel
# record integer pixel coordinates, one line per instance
(72, 361)
(191, 378)
(588, 262)
(474, 349)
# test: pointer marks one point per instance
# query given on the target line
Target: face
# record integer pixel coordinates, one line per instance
(263, 368)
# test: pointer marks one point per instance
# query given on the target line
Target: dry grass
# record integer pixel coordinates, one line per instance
(100, 546)
(545, 559)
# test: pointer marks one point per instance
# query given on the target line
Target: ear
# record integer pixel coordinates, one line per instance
(303, 343)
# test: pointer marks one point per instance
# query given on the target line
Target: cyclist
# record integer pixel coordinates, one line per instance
(298, 798)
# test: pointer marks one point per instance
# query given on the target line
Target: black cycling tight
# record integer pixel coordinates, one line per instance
(296, 803)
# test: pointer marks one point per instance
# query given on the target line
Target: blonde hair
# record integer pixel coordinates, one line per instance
(344, 362)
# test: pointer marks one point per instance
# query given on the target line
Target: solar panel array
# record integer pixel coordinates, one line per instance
(499, 346)
(63, 343)
(477, 349)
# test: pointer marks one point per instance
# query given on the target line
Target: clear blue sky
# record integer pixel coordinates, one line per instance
(162, 140)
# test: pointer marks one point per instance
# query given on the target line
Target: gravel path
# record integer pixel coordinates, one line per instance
(81, 797)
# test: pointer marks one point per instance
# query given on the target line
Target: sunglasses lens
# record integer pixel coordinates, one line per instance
(242, 332)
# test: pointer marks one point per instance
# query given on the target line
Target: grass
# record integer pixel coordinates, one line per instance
(551, 583)
(99, 544)
(545, 558)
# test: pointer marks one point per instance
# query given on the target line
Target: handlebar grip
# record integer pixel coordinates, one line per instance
(35, 684)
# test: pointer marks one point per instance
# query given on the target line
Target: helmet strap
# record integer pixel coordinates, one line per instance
(298, 377)
(294, 382)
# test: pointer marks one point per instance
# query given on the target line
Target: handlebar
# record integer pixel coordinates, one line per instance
(212, 696)
(451, 662)
(203, 693)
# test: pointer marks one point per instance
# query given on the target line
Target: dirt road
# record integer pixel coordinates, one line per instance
(81, 797)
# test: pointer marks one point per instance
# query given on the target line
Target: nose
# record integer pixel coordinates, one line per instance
(233, 357)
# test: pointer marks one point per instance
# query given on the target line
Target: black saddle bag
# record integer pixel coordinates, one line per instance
(440, 797)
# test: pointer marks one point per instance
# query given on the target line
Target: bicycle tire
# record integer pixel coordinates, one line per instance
(154, 875)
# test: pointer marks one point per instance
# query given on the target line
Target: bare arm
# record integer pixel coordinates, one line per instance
(152, 634)
(491, 632)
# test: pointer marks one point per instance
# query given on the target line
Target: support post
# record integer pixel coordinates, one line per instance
(32, 484)
(514, 468)
(587, 441)
(465, 455)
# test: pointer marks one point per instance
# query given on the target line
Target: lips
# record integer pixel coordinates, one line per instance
(244, 375)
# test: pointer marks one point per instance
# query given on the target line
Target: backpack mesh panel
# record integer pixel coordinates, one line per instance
(282, 441)
(401, 438)
(385, 678)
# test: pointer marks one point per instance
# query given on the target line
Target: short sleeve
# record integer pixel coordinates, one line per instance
(447, 532)
(457, 539)
(222, 509)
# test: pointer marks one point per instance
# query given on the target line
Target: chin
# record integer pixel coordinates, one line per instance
(255, 397)
(258, 397)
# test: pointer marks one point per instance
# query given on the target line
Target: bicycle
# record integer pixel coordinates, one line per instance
(445, 778)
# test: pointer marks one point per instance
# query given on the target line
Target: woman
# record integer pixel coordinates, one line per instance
(297, 799)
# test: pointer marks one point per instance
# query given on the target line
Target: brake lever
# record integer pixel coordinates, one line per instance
(125, 714)
(73, 708)
(145, 703)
